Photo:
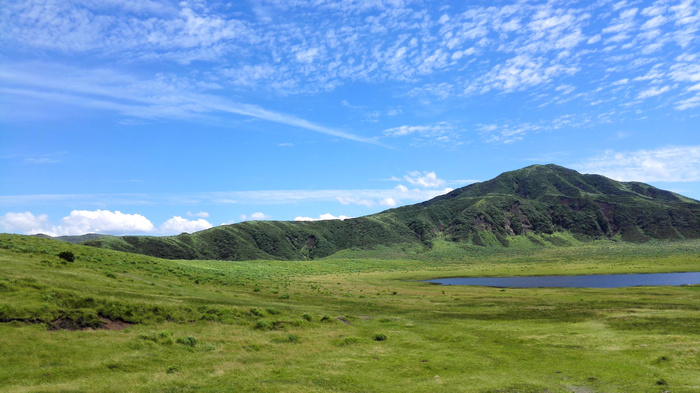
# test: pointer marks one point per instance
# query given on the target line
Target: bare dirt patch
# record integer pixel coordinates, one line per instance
(72, 325)
(115, 325)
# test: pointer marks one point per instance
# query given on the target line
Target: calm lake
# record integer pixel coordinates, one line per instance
(591, 281)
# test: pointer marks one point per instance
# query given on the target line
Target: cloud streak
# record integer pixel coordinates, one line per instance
(166, 97)
(669, 164)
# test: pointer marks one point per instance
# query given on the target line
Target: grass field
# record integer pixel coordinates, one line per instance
(359, 321)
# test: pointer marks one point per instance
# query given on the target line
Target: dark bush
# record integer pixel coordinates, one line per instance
(67, 256)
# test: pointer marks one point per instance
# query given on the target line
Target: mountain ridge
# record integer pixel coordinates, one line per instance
(533, 202)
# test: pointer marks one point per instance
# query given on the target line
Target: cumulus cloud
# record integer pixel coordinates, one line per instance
(388, 202)
(669, 164)
(178, 225)
(322, 217)
(105, 221)
(255, 216)
(27, 223)
(78, 222)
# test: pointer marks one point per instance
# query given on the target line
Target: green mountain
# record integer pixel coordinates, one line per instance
(73, 239)
(537, 204)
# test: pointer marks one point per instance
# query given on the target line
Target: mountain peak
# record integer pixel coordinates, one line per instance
(532, 204)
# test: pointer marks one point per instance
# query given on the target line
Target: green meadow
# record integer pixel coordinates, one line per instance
(357, 321)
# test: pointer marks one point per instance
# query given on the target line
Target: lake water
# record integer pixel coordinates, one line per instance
(590, 281)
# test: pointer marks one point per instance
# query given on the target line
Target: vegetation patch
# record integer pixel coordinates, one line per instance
(199, 326)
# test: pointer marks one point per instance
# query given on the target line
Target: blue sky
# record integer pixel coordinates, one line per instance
(159, 117)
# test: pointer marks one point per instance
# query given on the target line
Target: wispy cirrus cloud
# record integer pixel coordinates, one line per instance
(668, 164)
(552, 53)
(165, 97)
(510, 131)
(441, 133)
(421, 186)
(526, 44)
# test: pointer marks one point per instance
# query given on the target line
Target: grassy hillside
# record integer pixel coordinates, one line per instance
(542, 205)
(343, 324)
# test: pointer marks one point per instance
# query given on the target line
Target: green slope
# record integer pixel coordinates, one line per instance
(538, 204)
(343, 325)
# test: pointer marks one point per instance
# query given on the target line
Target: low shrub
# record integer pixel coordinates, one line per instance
(380, 337)
(347, 341)
(293, 338)
(263, 324)
(189, 341)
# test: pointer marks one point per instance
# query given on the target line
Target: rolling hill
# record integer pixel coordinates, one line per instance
(539, 204)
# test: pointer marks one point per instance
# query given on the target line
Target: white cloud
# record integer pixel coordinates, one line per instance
(520, 72)
(255, 216)
(322, 217)
(79, 222)
(261, 197)
(389, 202)
(594, 39)
(670, 164)
(27, 223)
(355, 201)
(200, 214)
(305, 47)
(424, 179)
(689, 103)
(177, 225)
(164, 97)
(105, 221)
(307, 56)
(149, 30)
(511, 131)
(43, 160)
(441, 133)
(653, 92)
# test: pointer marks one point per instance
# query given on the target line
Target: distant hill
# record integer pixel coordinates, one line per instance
(537, 204)
(74, 239)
